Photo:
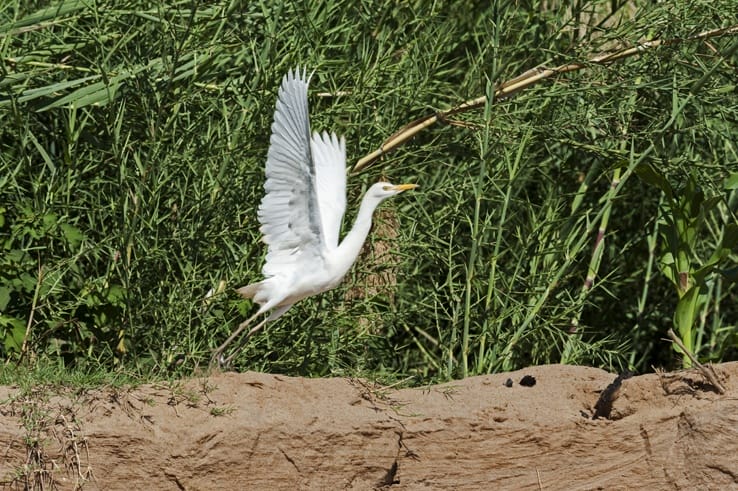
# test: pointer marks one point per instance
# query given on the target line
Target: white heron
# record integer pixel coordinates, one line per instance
(302, 210)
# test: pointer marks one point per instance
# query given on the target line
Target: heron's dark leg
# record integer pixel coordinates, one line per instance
(216, 359)
(275, 313)
(226, 362)
(218, 353)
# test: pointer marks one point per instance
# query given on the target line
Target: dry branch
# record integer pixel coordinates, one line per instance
(708, 373)
(523, 81)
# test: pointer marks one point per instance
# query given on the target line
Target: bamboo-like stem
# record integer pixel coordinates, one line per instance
(523, 81)
(29, 325)
(597, 250)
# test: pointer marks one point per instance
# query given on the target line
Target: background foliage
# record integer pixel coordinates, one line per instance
(567, 224)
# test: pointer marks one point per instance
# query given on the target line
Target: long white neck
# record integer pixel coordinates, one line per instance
(349, 249)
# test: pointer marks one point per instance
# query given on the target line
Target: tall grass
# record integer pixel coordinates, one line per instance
(132, 146)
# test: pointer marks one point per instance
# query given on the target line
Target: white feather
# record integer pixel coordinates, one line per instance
(329, 155)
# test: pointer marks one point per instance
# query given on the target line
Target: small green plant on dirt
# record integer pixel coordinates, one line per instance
(38, 468)
(696, 245)
(179, 393)
(194, 397)
(47, 427)
(222, 410)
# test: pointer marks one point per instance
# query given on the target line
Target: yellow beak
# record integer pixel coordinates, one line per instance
(404, 187)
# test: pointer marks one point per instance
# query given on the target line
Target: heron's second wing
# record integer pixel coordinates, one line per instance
(289, 212)
(329, 155)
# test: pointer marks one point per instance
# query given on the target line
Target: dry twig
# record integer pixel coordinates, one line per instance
(531, 77)
(706, 371)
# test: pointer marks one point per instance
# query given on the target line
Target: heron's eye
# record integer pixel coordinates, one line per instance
(387, 188)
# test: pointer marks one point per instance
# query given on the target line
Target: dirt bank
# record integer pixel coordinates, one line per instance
(258, 431)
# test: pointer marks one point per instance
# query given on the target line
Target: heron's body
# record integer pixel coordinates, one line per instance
(324, 274)
(302, 211)
(302, 285)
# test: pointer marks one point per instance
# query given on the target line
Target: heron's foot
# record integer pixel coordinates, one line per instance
(220, 361)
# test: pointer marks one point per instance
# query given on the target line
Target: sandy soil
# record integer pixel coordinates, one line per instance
(259, 431)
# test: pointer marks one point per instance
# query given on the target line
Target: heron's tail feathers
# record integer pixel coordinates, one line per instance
(249, 291)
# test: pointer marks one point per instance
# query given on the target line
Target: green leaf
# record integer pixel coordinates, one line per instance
(28, 282)
(72, 235)
(731, 182)
(730, 237)
(98, 93)
(49, 220)
(4, 297)
(44, 154)
(724, 249)
(54, 89)
(116, 294)
(60, 9)
(668, 266)
(15, 331)
(649, 175)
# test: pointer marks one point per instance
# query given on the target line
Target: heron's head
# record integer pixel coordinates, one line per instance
(382, 190)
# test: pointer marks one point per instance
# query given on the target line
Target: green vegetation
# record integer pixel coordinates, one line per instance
(575, 222)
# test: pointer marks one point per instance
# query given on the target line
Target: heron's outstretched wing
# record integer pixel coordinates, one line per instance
(329, 155)
(289, 212)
